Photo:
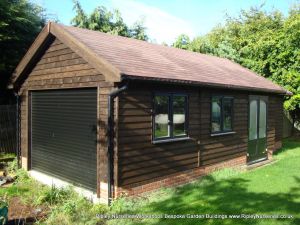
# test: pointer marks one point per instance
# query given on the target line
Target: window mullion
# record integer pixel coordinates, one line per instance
(231, 113)
(186, 115)
(171, 116)
(222, 114)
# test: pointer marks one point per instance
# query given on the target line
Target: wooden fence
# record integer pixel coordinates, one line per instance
(8, 129)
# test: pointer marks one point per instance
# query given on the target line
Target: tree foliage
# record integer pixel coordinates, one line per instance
(265, 42)
(20, 22)
(183, 42)
(101, 19)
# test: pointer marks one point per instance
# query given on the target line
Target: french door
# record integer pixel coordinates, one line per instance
(257, 141)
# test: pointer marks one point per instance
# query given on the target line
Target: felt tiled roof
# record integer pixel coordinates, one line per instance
(145, 60)
(130, 58)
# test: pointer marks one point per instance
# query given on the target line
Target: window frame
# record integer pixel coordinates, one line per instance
(222, 131)
(171, 136)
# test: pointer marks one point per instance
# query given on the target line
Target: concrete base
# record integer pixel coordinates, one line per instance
(49, 180)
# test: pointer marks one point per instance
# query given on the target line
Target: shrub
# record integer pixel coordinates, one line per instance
(22, 176)
(100, 209)
(12, 166)
(54, 195)
(76, 210)
(57, 218)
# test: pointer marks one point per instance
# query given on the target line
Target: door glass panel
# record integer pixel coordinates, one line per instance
(179, 103)
(253, 120)
(262, 119)
(161, 116)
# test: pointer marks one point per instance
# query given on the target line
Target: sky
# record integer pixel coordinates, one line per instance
(166, 19)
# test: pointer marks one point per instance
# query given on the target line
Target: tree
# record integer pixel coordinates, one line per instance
(138, 31)
(183, 42)
(265, 42)
(107, 21)
(20, 22)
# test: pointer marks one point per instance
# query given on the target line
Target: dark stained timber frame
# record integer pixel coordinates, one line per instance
(222, 131)
(171, 136)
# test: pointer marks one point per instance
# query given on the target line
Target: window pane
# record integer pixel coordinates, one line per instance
(161, 128)
(253, 120)
(227, 114)
(179, 114)
(262, 119)
(216, 114)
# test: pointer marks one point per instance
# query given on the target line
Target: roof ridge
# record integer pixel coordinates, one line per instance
(142, 41)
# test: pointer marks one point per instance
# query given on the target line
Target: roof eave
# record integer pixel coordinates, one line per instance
(288, 93)
(206, 84)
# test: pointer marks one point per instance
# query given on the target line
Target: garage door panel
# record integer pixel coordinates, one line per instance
(69, 166)
(51, 150)
(64, 134)
(68, 172)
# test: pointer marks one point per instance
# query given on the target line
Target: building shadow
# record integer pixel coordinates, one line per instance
(226, 197)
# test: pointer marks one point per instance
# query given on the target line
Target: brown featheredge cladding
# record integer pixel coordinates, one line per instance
(132, 78)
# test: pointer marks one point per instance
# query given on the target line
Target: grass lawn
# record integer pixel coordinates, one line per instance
(270, 190)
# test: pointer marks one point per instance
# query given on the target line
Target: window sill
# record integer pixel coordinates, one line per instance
(222, 134)
(171, 140)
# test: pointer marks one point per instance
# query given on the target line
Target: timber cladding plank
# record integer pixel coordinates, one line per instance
(62, 69)
(61, 57)
(175, 160)
(63, 63)
(148, 177)
(56, 46)
(149, 147)
(144, 172)
(214, 155)
(60, 52)
(153, 152)
(223, 158)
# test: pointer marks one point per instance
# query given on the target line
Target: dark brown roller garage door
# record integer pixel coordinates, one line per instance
(63, 135)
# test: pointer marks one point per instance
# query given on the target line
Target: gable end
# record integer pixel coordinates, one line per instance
(42, 43)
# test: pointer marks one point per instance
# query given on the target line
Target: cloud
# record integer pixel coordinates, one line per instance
(161, 25)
